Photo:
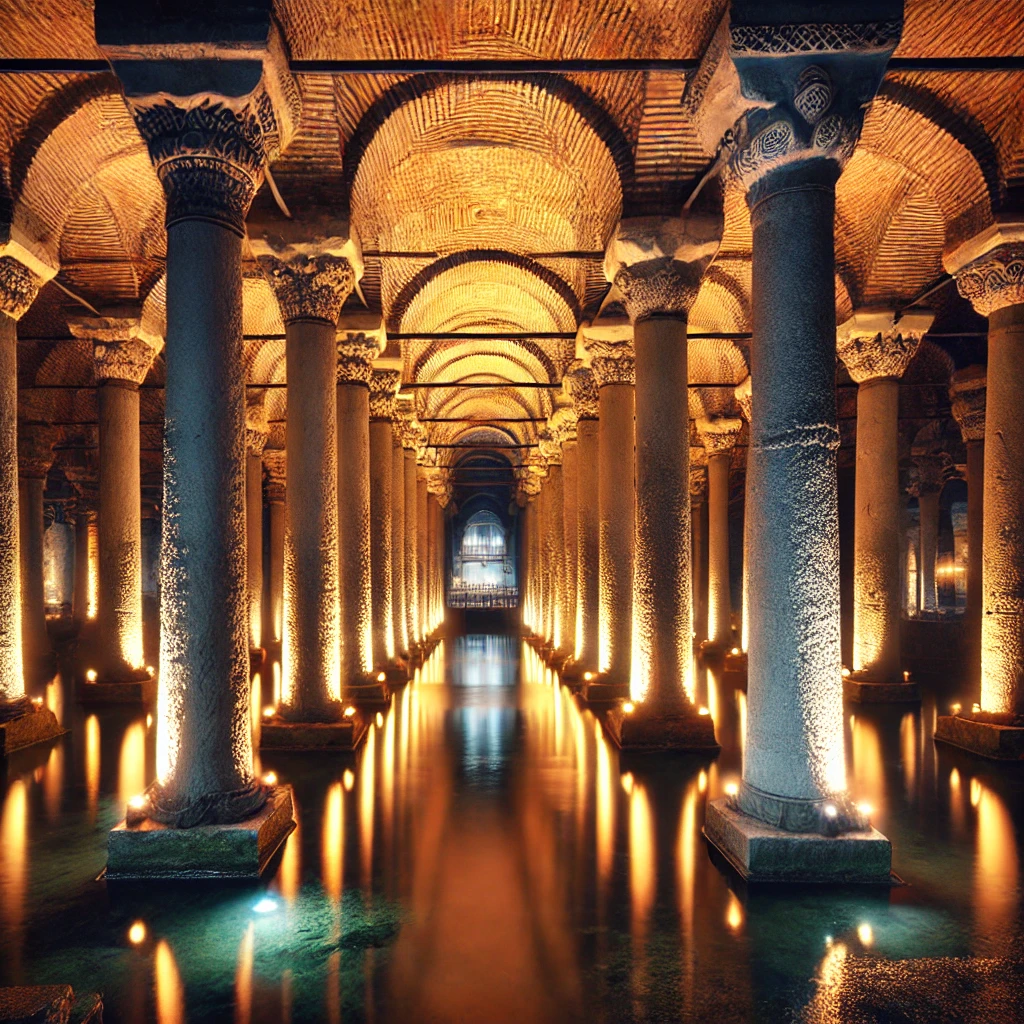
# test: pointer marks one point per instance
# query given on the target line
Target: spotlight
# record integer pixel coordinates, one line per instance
(265, 906)
(731, 789)
(865, 934)
(137, 933)
(90, 675)
(865, 809)
(268, 711)
(137, 803)
(906, 677)
(830, 810)
(350, 711)
(151, 670)
(955, 708)
(627, 782)
(703, 710)
(735, 650)
(270, 779)
(587, 676)
(846, 672)
(381, 677)
(975, 708)
(628, 708)
(38, 701)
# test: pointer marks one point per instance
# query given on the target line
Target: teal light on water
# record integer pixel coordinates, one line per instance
(265, 906)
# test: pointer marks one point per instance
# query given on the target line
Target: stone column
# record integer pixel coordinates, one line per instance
(398, 609)
(356, 352)
(930, 480)
(383, 387)
(312, 280)
(256, 433)
(35, 456)
(742, 393)
(698, 552)
(719, 436)
(582, 386)
(611, 359)
(967, 394)
(877, 353)
(565, 422)
(274, 494)
(554, 502)
(123, 351)
(422, 548)
(800, 91)
(412, 623)
(21, 722)
(80, 598)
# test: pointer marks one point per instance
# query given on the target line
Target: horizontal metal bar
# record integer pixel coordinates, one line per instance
(477, 336)
(481, 385)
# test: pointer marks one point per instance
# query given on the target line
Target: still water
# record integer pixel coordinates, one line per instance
(488, 857)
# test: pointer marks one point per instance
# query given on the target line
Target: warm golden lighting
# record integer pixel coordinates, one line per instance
(906, 676)
(13, 855)
(379, 720)
(38, 701)
(131, 768)
(975, 792)
(151, 670)
(735, 650)
(627, 781)
(348, 780)
(865, 809)
(170, 994)
(628, 708)
(865, 934)
(350, 711)
(333, 842)
(270, 779)
(137, 933)
(90, 675)
(702, 781)
(731, 789)
(149, 721)
(955, 708)
(845, 672)
(734, 913)
(381, 677)
(92, 607)
(137, 803)
(92, 762)
(243, 977)
(268, 711)
(588, 676)
(703, 710)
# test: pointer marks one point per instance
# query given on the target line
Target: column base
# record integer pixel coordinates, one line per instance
(36, 726)
(734, 665)
(762, 853)
(257, 655)
(241, 850)
(559, 658)
(1001, 739)
(105, 691)
(864, 691)
(343, 735)
(601, 690)
(367, 692)
(49, 1003)
(396, 673)
(572, 671)
(642, 730)
(712, 652)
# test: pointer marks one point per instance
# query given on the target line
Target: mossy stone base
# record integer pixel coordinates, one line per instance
(864, 691)
(35, 726)
(242, 850)
(987, 739)
(652, 732)
(761, 853)
(346, 734)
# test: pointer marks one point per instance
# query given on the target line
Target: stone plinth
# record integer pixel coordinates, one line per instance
(369, 691)
(35, 726)
(762, 853)
(242, 850)
(641, 730)
(1001, 742)
(346, 734)
(396, 674)
(734, 666)
(600, 691)
(132, 691)
(866, 691)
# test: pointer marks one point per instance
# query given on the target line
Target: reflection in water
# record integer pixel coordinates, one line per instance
(868, 767)
(131, 770)
(642, 883)
(243, 977)
(53, 782)
(827, 1005)
(997, 872)
(910, 752)
(170, 995)
(13, 854)
(92, 763)
(333, 840)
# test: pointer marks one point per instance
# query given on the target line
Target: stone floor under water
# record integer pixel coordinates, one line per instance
(486, 857)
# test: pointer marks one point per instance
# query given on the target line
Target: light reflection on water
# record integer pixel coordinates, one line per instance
(486, 856)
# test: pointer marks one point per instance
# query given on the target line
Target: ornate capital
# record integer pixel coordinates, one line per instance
(356, 353)
(384, 386)
(719, 435)
(743, 393)
(967, 394)
(698, 483)
(309, 287)
(19, 287)
(35, 449)
(257, 430)
(581, 386)
(932, 471)
(995, 280)
(611, 361)
(550, 448)
(123, 349)
(275, 465)
(873, 348)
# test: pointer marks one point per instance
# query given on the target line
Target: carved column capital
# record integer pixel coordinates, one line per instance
(932, 471)
(275, 467)
(873, 348)
(698, 483)
(550, 448)
(611, 359)
(384, 386)
(743, 393)
(309, 287)
(967, 393)
(35, 449)
(562, 424)
(581, 386)
(257, 430)
(19, 287)
(994, 280)
(719, 435)
(123, 348)
(357, 350)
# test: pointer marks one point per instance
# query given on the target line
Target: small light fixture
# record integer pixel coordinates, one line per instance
(348, 780)
(731, 789)
(845, 672)
(137, 803)
(828, 940)
(906, 676)
(270, 779)
(865, 934)
(38, 701)
(350, 711)
(90, 675)
(735, 650)
(955, 708)
(137, 933)
(830, 810)
(628, 708)
(149, 721)
(703, 710)
(382, 677)
(702, 781)
(380, 719)
(268, 711)
(975, 708)
(151, 670)
(587, 676)
(865, 809)
(627, 782)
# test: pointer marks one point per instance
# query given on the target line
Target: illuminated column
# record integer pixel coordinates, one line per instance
(80, 596)
(553, 542)
(398, 610)
(356, 352)
(412, 623)
(35, 456)
(930, 478)
(801, 92)
(256, 434)
(698, 555)
(566, 423)
(612, 363)
(544, 555)
(422, 547)
(311, 281)
(122, 354)
(967, 394)
(582, 386)
(383, 386)
(876, 354)
(719, 438)
(274, 494)
(742, 394)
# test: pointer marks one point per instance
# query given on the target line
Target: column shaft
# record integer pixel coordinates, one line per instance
(556, 551)
(928, 507)
(12, 678)
(80, 598)
(570, 499)
(254, 545)
(398, 616)
(33, 601)
(380, 541)
(422, 542)
(719, 595)
(588, 549)
(975, 532)
(274, 620)
(412, 622)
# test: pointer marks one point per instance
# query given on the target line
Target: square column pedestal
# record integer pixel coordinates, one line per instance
(864, 691)
(346, 734)
(600, 690)
(35, 726)
(761, 853)
(996, 736)
(640, 731)
(241, 850)
(102, 691)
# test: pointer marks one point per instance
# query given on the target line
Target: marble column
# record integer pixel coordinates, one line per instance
(544, 558)
(570, 527)
(274, 494)
(801, 92)
(356, 352)
(553, 543)
(84, 517)
(612, 363)
(698, 550)
(409, 546)
(311, 280)
(383, 387)
(719, 436)
(123, 352)
(35, 456)
(256, 433)
(967, 395)
(422, 548)
(582, 386)
(742, 394)
(876, 354)
(398, 610)
(928, 488)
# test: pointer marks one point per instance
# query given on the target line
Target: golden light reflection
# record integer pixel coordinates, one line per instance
(868, 764)
(996, 867)
(741, 718)
(14, 850)
(686, 859)
(170, 994)
(387, 776)
(243, 977)
(277, 683)
(53, 782)
(605, 809)
(865, 934)
(54, 699)
(92, 763)
(827, 1005)
(713, 694)
(909, 752)
(734, 913)
(289, 876)
(256, 709)
(366, 806)
(131, 769)
(333, 840)
(956, 802)
(93, 599)
(642, 857)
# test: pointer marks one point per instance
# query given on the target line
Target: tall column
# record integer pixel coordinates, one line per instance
(312, 280)
(383, 387)
(570, 527)
(803, 90)
(719, 437)
(122, 354)
(256, 433)
(274, 493)
(356, 352)
(612, 363)
(80, 595)
(877, 353)
(544, 558)
(35, 456)
(742, 393)
(967, 394)
(698, 550)
(398, 610)
(582, 386)
(412, 622)
(209, 151)
(930, 479)
(554, 550)
(21, 722)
